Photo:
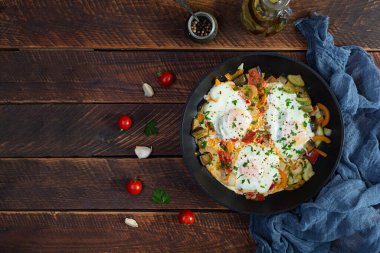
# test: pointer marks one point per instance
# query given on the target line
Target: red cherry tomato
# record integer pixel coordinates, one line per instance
(134, 186)
(124, 122)
(186, 217)
(165, 78)
(312, 156)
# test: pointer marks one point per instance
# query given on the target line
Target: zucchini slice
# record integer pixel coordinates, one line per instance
(307, 108)
(307, 172)
(289, 88)
(296, 80)
(304, 100)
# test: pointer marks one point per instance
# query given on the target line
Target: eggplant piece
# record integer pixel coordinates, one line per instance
(205, 158)
(282, 79)
(272, 79)
(240, 80)
(296, 80)
(195, 124)
(201, 104)
(199, 132)
(309, 146)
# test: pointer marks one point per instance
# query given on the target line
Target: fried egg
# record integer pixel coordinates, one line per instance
(227, 111)
(289, 126)
(256, 168)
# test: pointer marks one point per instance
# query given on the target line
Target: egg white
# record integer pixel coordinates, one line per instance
(289, 126)
(227, 111)
(256, 169)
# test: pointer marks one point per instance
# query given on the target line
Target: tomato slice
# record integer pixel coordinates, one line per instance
(225, 159)
(254, 77)
(255, 196)
(249, 137)
(312, 156)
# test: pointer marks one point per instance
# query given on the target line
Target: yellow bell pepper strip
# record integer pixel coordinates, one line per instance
(326, 114)
(321, 152)
(230, 77)
(321, 138)
(217, 81)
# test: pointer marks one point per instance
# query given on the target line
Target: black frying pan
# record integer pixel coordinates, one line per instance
(271, 64)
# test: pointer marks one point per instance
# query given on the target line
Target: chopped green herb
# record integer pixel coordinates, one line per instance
(296, 125)
(206, 114)
(248, 181)
(151, 128)
(245, 164)
(233, 125)
(304, 124)
(234, 102)
(203, 144)
(243, 181)
(288, 101)
(160, 197)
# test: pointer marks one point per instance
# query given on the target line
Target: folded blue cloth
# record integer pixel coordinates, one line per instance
(343, 217)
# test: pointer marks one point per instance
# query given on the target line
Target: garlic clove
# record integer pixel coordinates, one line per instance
(143, 152)
(131, 222)
(148, 90)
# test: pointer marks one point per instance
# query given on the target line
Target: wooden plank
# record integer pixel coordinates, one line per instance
(105, 77)
(85, 130)
(106, 232)
(77, 183)
(160, 24)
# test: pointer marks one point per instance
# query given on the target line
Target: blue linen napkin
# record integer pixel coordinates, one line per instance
(343, 217)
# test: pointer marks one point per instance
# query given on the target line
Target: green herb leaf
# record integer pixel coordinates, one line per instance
(234, 102)
(160, 197)
(151, 128)
(203, 144)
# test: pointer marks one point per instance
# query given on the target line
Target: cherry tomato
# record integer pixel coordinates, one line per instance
(134, 186)
(124, 122)
(165, 78)
(186, 217)
(312, 156)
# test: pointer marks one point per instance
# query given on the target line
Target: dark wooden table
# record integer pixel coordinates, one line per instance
(68, 69)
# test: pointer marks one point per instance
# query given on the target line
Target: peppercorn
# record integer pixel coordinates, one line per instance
(202, 27)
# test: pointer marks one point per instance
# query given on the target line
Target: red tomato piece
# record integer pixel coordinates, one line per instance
(312, 156)
(124, 122)
(254, 77)
(249, 137)
(134, 186)
(186, 217)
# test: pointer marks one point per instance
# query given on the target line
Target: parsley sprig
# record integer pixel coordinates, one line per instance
(151, 128)
(160, 197)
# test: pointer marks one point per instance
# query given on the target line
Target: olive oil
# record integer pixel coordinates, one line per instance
(266, 17)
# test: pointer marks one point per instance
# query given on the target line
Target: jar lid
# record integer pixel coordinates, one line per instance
(203, 30)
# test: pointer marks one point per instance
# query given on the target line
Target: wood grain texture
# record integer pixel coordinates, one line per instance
(77, 183)
(148, 24)
(105, 77)
(107, 232)
(85, 130)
